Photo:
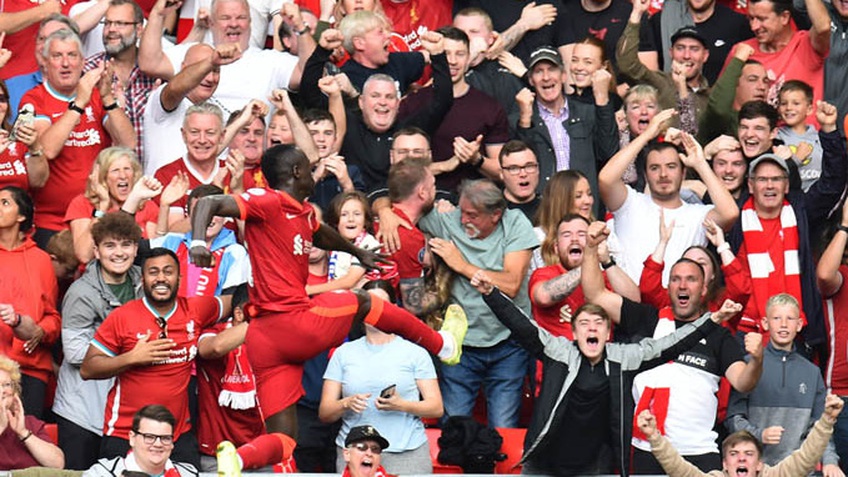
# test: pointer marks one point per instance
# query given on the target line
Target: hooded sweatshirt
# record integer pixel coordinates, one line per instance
(28, 282)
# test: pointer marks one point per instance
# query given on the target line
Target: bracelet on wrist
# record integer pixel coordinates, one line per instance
(723, 248)
(109, 107)
(197, 243)
(842, 228)
(29, 434)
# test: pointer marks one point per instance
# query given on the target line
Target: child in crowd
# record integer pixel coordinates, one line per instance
(796, 103)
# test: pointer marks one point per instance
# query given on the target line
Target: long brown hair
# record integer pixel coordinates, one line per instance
(557, 200)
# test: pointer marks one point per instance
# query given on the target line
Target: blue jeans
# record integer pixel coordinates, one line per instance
(500, 369)
(840, 436)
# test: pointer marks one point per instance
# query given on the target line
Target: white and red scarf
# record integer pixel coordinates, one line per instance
(760, 263)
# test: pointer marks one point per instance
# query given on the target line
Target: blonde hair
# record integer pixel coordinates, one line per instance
(14, 369)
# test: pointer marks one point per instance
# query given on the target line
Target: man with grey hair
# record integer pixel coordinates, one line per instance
(366, 39)
(73, 132)
(255, 75)
(202, 131)
(122, 26)
(483, 235)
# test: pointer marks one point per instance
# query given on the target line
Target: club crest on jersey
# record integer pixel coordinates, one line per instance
(190, 330)
(300, 246)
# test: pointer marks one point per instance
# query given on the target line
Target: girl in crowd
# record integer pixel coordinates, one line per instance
(566, 192)
(22, 162)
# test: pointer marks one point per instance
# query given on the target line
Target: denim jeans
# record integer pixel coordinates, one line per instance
(840, 436)
(500, 369)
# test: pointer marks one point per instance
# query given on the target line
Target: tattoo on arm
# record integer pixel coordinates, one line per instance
(562, 286)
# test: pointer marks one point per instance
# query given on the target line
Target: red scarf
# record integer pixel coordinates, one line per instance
(761, 264)
(238, 386)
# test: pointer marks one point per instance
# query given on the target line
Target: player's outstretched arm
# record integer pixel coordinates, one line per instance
(201, 215)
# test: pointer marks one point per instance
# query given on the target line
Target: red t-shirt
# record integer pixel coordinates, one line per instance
(81, 208)
(13, 171)
(22, 42)
(413, 18)
(798, 61)
(221, 423)
(165, 173)
(412, 245)
(70, 170)
(278, 232)
(165, 382)
(548, 317)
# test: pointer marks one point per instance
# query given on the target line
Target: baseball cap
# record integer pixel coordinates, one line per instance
(365, 433)
(688, 32)
(767, 157)
(545, 53)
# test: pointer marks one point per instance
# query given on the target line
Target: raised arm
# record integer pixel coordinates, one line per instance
(592, 279)
(613, 190)
(17, 21)
(827, 271)
(192, 75)
(744, 376)
(151, 59)
(820, 29)
(53, 136)
(726, 212)
(302, 138)
(532, 18)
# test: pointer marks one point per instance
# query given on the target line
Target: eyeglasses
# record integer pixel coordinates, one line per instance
(116, 23)
(528, 168)
(767, 180)
(363, 447)
(163, 327)
(150, 439)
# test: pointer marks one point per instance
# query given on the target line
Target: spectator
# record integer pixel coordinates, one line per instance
(641, 104)
(249, 141)
(152, 442)
(363, 452)
(280, 266)
(795, 105)
(22, 161)
(567, 192)
(366, 40)
(720, 26)
(664, 172)
(482, 234)
(467, 142)
(123, 24)
(566, 133)
(684, 390)
(580, 424)
(587, 57)
(410, 142)
(835, 90)
(774, 412)
(25, 441)
(557, 286)
(741, 452)
(28, 299)
(520, 176)
(148, 346)
(774, 238)
(255, 75)
(109, 281)
(785, 52)
(684, 85)
(196, 82)
(72, 134)
(115, 173)
(333, 175)
(831, 272)
(389, 382)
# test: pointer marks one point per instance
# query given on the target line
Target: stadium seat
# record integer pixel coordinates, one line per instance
(53, 431)
(513, 448)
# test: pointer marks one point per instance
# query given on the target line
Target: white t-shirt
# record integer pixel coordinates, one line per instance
(163, 141)
(261, 12)
(637, 225)
(253, 76)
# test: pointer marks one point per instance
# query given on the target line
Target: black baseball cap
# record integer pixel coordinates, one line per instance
(365, 433)
(688, 32)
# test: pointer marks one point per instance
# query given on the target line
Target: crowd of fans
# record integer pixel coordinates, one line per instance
(201, 201)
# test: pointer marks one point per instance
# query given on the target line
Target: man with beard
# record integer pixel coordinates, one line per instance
(482, 234)
(682, 392)
(149, 346)
(122, 26)
(108, 282)
(637, 214)
(557, 286)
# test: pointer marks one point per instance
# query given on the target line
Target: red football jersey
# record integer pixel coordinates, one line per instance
(165, 173)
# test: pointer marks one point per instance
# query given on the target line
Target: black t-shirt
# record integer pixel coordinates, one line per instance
(506, 13)
(585, 426)
(606, 25)
(406, 68)
(722, 30)
(527, 208)
(713, 354)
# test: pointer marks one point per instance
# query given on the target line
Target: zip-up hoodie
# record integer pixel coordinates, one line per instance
(28, 282)
(790, 393)
(561, 359)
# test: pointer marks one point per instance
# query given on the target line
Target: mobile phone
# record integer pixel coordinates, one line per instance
(26, 116)
(388, 391)
(332, 69)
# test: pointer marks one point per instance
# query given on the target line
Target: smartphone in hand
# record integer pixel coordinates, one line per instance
(388, 391)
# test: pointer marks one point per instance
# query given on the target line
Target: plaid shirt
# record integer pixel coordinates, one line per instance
(136, 92)
(559, 136)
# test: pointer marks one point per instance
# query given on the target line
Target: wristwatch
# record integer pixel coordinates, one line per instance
(73, 107)
(610, 264)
